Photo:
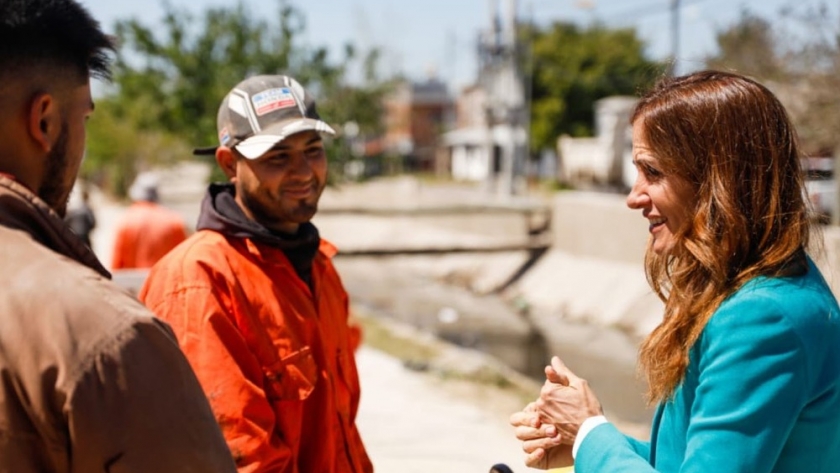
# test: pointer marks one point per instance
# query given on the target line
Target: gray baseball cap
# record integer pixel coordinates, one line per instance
(262, 111)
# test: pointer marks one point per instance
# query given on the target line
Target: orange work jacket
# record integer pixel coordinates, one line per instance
(146, 233)
(273, 356)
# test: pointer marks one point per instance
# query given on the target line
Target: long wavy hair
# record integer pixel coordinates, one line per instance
(732, 141)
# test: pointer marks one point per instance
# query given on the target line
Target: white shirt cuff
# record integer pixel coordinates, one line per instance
(584, 430)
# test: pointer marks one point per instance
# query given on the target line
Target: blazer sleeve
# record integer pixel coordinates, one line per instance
(641, 448)
(229, 372)
(607, 449)
(751, 384)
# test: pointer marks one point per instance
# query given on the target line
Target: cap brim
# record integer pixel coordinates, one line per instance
(206, 151)
(257, 145)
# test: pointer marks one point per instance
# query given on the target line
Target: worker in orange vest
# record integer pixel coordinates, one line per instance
(148, 230)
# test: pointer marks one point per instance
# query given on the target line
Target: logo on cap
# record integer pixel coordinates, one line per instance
(224, 136)
(270, 100)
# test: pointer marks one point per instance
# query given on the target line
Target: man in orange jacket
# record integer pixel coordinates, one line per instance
(148, 230)
(253, 295)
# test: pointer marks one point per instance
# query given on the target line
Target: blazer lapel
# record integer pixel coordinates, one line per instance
(654, 433)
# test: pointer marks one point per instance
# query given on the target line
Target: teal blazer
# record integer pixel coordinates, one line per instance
(761, 393)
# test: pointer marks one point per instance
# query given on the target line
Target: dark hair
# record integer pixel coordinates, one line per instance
(36, 33)
(731, 140)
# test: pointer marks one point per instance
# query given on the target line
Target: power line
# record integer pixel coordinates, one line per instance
(605, 12)
(620, 10)
(636, 14)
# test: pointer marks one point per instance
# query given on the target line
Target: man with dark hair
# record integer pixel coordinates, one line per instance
(91, 381)
(253, 295)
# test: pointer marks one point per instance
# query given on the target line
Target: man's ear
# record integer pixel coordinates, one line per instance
(227, 160)
(43, 121)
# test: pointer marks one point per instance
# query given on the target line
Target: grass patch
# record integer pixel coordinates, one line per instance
(421, 351)
(384, 338)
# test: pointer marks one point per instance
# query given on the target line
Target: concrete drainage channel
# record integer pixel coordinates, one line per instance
(507, 334)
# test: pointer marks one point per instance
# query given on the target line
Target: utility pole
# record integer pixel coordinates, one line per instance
(675, 35)
(502, 82)
(488, 52)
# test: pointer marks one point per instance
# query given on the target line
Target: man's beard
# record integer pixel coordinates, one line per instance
(54, 190)
(271, 214)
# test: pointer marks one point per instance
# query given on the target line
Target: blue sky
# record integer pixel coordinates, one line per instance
(420, 37)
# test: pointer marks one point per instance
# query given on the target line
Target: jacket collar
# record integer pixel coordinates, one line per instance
(221, 213)
(20, 209)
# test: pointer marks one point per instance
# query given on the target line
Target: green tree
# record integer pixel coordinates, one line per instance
(572, 67)
(179, 79)
(117, 149)
(361, 103)
(169, 81)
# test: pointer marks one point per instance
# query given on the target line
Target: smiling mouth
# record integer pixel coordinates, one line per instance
(298, 192)
(656, 223)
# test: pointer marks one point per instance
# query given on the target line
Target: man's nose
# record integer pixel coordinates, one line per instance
(301, 166)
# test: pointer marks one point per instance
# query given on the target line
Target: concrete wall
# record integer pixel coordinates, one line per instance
(393, 231)
(594, 273)
(598, 225)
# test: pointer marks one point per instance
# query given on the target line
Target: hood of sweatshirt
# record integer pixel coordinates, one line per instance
(221, 213)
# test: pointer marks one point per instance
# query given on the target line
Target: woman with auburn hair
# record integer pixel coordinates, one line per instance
(745, 365)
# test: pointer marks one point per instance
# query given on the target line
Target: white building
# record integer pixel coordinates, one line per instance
(606, 159)
(491, 141)
(474, 150)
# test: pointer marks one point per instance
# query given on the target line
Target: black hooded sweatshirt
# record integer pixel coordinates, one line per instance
(221, 213)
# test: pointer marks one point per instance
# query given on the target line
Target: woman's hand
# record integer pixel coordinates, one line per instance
(544, 447)
(565, 401)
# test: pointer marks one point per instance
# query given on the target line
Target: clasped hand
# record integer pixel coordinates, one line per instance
(548, 426)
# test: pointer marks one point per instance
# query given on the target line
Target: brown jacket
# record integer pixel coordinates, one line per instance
(90, 381)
